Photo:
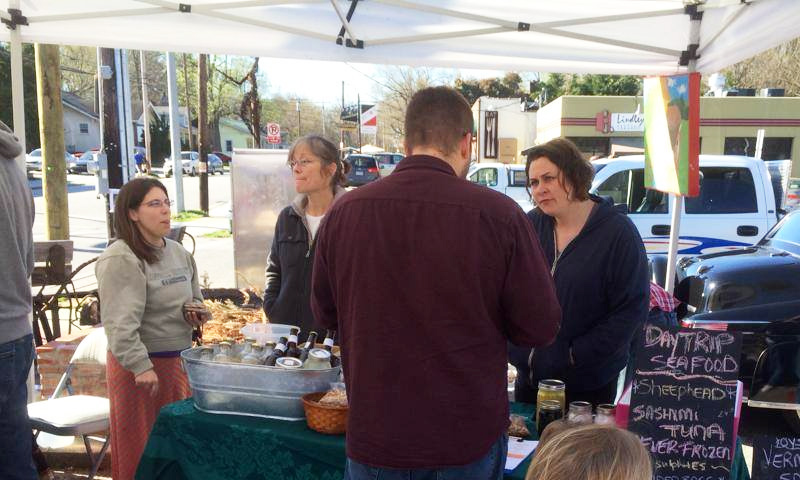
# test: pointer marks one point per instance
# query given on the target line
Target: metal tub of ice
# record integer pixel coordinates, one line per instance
(255, 390)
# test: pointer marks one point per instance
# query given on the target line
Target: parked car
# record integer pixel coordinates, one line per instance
(190, 162)
(33, 161)
(793, 194)
(754, 290)
(363, 169)
(226, 159)
(509, 179)
(387, 162)
(82, 162)
(215, 164)
(736, 205)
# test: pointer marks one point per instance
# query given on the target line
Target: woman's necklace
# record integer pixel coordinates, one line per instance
(556, 253)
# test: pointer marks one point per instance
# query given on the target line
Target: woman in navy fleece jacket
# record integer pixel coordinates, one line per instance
(599, 266)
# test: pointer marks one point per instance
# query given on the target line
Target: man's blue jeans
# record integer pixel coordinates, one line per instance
(16, 462)
(490, 467)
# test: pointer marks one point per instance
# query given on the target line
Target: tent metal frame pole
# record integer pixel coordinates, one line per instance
(607, 41)
(440, 36)
(249, 3)
(344, 20)
(18, 89)
(450, 13)
(677, 200)
(94, 15)
(609, 18)
(174, 7)
(175, 131)
(273, 26)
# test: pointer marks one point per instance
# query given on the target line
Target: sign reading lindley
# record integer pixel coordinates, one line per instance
(607, 122)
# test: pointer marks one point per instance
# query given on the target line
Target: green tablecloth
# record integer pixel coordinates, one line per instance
(187, 444)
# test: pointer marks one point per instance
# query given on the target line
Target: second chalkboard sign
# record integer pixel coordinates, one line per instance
(683, 400)
(776, 458)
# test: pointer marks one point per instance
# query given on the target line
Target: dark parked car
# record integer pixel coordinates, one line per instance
(756, 291)
(363, 169)
(226, 159)
(387, 162)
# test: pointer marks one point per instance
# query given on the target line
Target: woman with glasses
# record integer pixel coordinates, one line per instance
(144, 282)
(599, 267)
(319, 176)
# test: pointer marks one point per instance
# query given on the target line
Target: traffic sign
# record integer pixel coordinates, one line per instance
(273, 133)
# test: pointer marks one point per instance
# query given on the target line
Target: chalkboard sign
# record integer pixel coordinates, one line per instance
(683, 401)
(776, 458)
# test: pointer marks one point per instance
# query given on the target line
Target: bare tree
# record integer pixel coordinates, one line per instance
(774, 68)
(250, 108)
(397, 86)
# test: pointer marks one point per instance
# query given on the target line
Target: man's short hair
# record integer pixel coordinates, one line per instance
(437, 117)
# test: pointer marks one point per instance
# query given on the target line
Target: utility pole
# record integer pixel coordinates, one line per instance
(146, 114)
(323, 119)
(202, 124)
(297, 107)
(358, 127)
(51, 132)
(110, 135)
(188, 101)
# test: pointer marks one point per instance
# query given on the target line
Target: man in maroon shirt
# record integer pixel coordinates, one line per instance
(426, 276)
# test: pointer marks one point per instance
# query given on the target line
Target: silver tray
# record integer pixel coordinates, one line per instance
(255, 390)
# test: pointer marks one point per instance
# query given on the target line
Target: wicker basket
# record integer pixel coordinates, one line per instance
(324, 418)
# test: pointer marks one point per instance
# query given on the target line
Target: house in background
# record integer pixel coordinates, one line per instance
(81, 124)
(162, 112)
(233, 133)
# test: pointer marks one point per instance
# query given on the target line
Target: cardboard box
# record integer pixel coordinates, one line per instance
(508, 146)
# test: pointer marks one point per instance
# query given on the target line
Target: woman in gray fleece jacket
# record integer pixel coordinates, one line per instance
(144, 282)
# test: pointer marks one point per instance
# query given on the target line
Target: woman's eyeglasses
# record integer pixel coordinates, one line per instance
(302, 163)
(158, 203)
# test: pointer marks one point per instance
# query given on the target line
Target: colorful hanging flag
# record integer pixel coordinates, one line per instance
(672, 134)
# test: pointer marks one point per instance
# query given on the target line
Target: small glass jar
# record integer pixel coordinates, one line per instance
(551, 389)
(247, 346)
(318, 359)
(289, 363)
(224, 355)
(206, 353)
(549, 412)
(605, 414)
(253, 357)
(580, 413)
(269, 347)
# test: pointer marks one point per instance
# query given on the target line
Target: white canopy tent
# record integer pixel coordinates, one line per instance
(637, 37)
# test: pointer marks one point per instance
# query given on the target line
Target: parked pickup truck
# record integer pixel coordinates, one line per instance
(509, 179)
(754, 290)
(737, 204)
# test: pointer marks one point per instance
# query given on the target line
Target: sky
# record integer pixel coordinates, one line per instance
(321, 82)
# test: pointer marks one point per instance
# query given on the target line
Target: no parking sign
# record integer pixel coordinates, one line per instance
(273, 133)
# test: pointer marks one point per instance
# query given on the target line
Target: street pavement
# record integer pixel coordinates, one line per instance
(88, 230)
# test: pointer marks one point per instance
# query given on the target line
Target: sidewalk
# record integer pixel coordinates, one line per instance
(214, 256)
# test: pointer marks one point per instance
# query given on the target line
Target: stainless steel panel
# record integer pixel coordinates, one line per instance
(261, 187)
(254, 390)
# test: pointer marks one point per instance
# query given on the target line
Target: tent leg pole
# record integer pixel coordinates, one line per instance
(674, 237)
(17, 89)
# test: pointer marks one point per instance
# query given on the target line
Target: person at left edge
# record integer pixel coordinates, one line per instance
(319, 176)
(144, 281)
(16, 334)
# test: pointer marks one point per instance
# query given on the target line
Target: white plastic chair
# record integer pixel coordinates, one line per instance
(77, 414)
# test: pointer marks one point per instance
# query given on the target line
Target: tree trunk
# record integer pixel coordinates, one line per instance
(51, 128)
(202, 124)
